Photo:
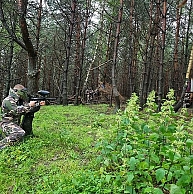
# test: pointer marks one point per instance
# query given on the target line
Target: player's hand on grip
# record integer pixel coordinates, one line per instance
(32, 103)
(42, 103)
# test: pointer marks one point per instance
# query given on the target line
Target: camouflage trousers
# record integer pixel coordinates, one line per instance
(11, 133)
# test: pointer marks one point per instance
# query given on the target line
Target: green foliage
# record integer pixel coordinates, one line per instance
(151, 151)
(80, 149)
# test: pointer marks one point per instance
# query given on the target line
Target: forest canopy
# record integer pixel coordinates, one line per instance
(68, 47)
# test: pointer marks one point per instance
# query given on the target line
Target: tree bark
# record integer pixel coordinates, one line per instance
(33, 72)
(77, 60)
(109, 57)
(83, 46)
(175, 79)
(179, 104)
(67, 60)
(114, 86)
(149, 49)
(8, 76)
(163, 37)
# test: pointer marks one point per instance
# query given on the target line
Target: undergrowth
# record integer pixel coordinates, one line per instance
(83, 150)
(151, 152)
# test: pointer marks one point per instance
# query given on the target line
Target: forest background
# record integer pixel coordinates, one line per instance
(67, 46)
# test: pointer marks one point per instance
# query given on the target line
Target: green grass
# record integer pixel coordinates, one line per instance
(88, 150)
(63, 148)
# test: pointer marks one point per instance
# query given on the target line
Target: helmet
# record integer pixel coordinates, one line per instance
(20, 91)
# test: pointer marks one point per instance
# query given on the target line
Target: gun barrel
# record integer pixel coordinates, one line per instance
(47, 100)
(42, 98)
(37, 99)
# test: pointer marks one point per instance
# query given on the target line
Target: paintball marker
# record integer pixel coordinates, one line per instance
(26, 123)
(42, 96)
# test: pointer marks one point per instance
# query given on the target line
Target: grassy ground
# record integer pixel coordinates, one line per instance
(63, 147)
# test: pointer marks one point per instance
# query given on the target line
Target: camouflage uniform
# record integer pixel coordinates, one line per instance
(12, 109)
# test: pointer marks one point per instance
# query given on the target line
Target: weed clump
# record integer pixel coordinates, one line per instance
(151, 151)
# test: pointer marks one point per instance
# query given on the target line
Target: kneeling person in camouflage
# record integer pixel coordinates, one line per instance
(13, 107)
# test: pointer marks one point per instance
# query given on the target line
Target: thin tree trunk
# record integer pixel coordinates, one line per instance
(100, 44)
(147, 59)
(8, 76)
(90, 68)
(106, 77)
(187, 34)
(83, 52)
(65, 71)
(131, 48)
(114, 87)
(11, 51)
(175, 78)
(77, 61)
(179, 104)
(39, 25)
(163, 37)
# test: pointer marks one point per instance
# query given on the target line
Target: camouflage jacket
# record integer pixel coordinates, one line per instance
(11, 110)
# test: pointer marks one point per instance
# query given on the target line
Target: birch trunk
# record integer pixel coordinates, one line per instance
(179, 104)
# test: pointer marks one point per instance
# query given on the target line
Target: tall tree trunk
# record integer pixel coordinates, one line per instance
(90, 68)
(187, 38)
(131, 48)
(149, 49)
(187, 78)
(180, 102)
(67, 60)
(100, 42)
(10, 61)
(77, 60)
(176, 75)
(163, 37)
(114, 86)
(107, 70)
(33, 72)
(88, 4)
(8, 76)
